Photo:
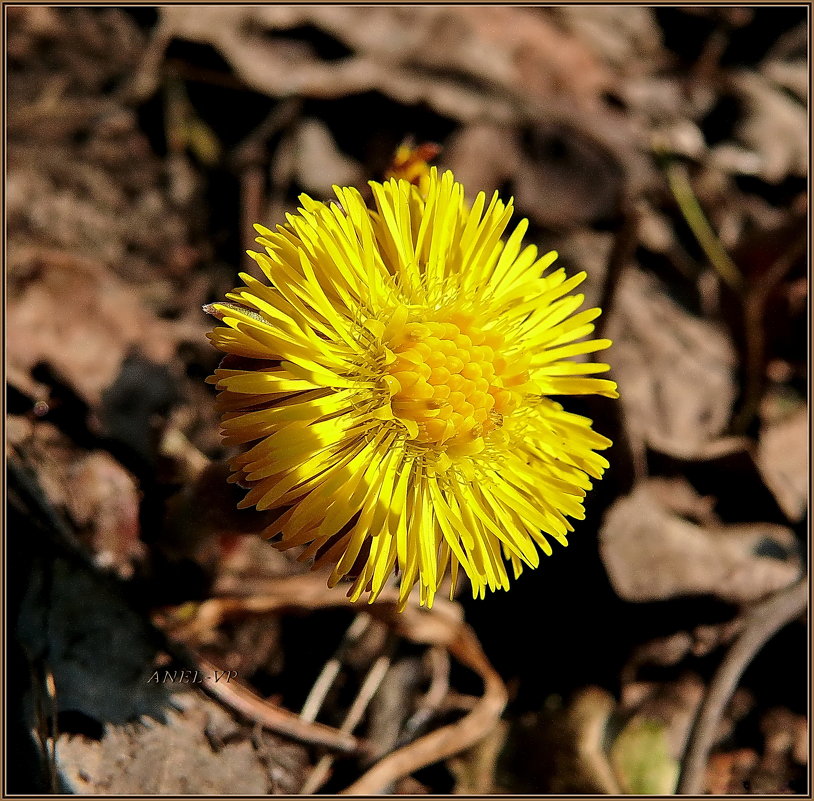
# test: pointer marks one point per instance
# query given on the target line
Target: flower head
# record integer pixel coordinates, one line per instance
(395, 383)
(412, 163)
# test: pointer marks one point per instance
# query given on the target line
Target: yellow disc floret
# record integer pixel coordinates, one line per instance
(450, 383)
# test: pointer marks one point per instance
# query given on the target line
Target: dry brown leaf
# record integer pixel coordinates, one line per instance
(782, 458)
(781, 729)
(774, 126)
(727, 772)
(250, 567)
(318, 162)
(675, 371)
(627, 38)
(19, 431)
(83, 319)
(49, 454)
(653, 553)
(791, 75)
(571, 175)
(669, 650)
(483, 156)
(104, 500)
(101, 498)
(564, 166)
(413, 54)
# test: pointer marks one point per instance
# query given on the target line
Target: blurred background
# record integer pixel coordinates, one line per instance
(662, 150)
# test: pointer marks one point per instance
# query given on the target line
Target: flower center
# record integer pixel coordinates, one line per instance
(450, 384)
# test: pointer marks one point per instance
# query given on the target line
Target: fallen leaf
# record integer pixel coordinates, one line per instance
(652, 553)
(774, 126)
(676, 372)
(627, 38)
(413, 54)
(559, 155)
(728, 772)
(775, 770)
(782, 458)
(483, 156)
(104, 500)
(318, 162)
(83, 319)
(564, 158)
(791, 75)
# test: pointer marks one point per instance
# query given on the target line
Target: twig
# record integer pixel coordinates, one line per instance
(624, 243)
(754, 307)
(694, 216)
(439, 683)
(251, 706)
(147, 76)
(441, 626)
(369, 687)
(46, 709)
(250, 160)
(448, 740)
(434, 627)
(439, 687)
(763, 622)
(326, 678)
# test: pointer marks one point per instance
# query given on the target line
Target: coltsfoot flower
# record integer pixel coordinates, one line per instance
(412, 163)
(396, 381)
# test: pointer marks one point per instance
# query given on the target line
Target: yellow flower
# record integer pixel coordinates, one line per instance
(411, 162)
(395, 381)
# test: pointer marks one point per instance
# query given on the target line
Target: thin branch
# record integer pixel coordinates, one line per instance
(251, 706)
(326, 678)
(439, 688)
(448, 740)
(624, 243)
(763, 622)
(754, 324)
(443, 626)
(369, 687)
(693, 214)
(251, 162)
